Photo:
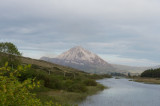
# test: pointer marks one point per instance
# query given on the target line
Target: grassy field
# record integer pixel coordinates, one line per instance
(147, 80)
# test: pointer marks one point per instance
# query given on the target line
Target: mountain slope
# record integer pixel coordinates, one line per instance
(82, 59)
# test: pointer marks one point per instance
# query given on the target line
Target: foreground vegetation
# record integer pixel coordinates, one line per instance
(16, 93)
(68, 89)
(42, 83)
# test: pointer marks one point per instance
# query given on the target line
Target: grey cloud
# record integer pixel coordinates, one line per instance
(127, 28)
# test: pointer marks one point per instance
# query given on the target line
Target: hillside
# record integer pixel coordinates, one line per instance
(50, 66)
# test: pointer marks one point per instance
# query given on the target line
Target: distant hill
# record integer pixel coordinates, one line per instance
(132, 69)
(82, 59)
(156, 67)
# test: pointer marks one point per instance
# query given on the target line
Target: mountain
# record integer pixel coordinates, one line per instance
(87, 61)
(82, 59)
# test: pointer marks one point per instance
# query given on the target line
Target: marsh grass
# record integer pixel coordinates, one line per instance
(69, 98)
(148, 80)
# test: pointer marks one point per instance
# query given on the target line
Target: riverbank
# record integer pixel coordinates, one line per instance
(69, 98)
(147, 80)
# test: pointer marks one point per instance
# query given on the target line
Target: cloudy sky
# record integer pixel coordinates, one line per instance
(120, 31)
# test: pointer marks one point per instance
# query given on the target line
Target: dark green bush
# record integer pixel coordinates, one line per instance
(50, 81)
(77, 87)
(55, 83)
(90, 82)
(96, 76)
(27, 74)
(67, 83)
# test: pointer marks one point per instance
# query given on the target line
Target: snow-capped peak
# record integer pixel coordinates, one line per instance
(80, 55)
(82, 59)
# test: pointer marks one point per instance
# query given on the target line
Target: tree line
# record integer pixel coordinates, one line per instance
(153, 73)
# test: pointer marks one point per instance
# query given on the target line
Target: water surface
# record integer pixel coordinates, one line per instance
(125, 93)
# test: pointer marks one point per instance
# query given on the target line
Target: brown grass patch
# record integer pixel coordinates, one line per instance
(148, 80)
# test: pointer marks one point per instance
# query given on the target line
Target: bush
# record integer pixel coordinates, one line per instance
(26, 74)
(96, 76)
(77, 87)
(67, 83)
(90, 82)
(55, 83)
(50, 81)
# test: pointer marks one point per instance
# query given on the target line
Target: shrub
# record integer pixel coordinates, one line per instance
(77, 87)
(67, 83)
(90, 82)
(50, 81)
(55, 83)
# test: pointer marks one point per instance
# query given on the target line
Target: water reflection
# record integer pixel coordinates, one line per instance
(125, 93)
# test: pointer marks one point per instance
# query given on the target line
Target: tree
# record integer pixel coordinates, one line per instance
(129, 74)
(9, 53)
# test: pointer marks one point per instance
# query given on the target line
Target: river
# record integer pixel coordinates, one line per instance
(123, 92)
